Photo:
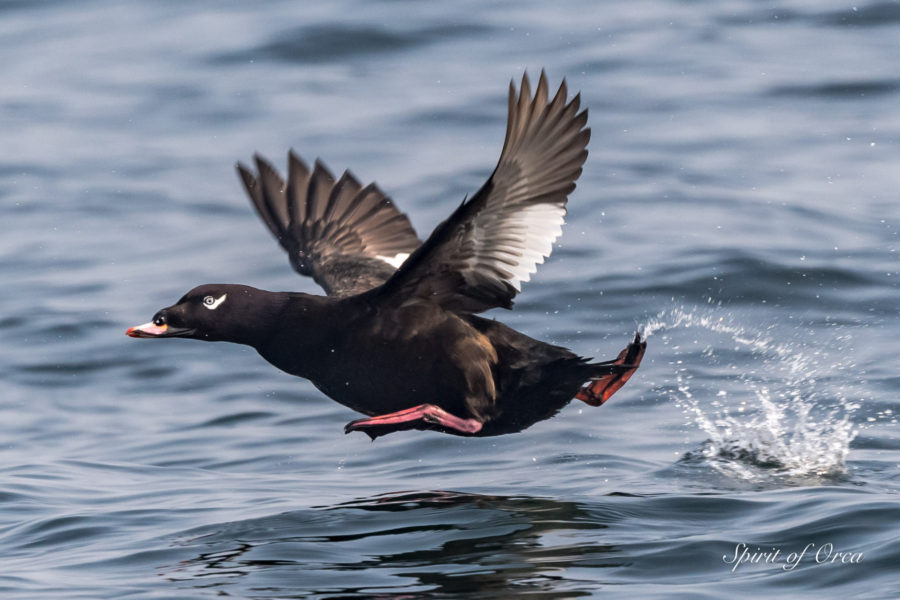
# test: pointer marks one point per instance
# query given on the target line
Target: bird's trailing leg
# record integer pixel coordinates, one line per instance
(424, 416)
(603, 387)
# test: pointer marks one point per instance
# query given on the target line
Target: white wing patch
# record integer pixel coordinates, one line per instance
(528, 240)
(214, 303)
(544, 224)
(396, 260)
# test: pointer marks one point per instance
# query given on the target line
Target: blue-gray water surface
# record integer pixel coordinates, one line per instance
(739, 206)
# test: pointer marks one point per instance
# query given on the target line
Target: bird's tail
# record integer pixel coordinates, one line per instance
(613, 374)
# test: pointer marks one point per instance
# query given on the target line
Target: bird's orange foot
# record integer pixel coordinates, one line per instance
(601, 389)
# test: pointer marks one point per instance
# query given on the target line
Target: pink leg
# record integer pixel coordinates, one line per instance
(424, 416)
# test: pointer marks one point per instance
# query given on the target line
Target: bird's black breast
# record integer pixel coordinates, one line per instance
(381, 360)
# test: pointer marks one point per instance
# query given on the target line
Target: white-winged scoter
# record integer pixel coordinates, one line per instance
(397, 337)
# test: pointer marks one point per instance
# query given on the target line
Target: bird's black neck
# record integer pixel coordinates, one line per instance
(297, 335)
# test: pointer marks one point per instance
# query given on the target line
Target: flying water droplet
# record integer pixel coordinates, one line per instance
(767, 407)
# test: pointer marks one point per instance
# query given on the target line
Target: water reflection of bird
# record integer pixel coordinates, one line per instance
(449, 543)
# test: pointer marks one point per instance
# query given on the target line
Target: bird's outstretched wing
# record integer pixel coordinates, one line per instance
(478, 258)
(347, 237)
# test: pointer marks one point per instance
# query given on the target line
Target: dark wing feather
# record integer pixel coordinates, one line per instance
(347, 237)
(478, 258)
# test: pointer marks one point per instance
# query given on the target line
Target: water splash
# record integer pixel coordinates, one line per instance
(768, 407)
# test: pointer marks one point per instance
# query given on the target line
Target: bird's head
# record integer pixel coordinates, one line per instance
(211, 312)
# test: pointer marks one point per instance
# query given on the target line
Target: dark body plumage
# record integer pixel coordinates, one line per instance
(382, 361)
(405, 345)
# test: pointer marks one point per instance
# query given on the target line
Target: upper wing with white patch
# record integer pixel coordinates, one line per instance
(348, 237)
(478, 258)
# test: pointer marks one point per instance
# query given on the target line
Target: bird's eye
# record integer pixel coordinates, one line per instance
(213, 303)
(159, 320)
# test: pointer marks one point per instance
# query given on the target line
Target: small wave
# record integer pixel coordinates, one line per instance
(876, 14)
(853, 90)
(787, 412)
(328, 43)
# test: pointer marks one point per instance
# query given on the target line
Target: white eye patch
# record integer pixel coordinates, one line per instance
(213, 303)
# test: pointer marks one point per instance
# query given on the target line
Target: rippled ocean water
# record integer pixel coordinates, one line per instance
(739, 206)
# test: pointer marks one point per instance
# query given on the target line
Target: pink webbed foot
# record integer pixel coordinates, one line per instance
(424, 416)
